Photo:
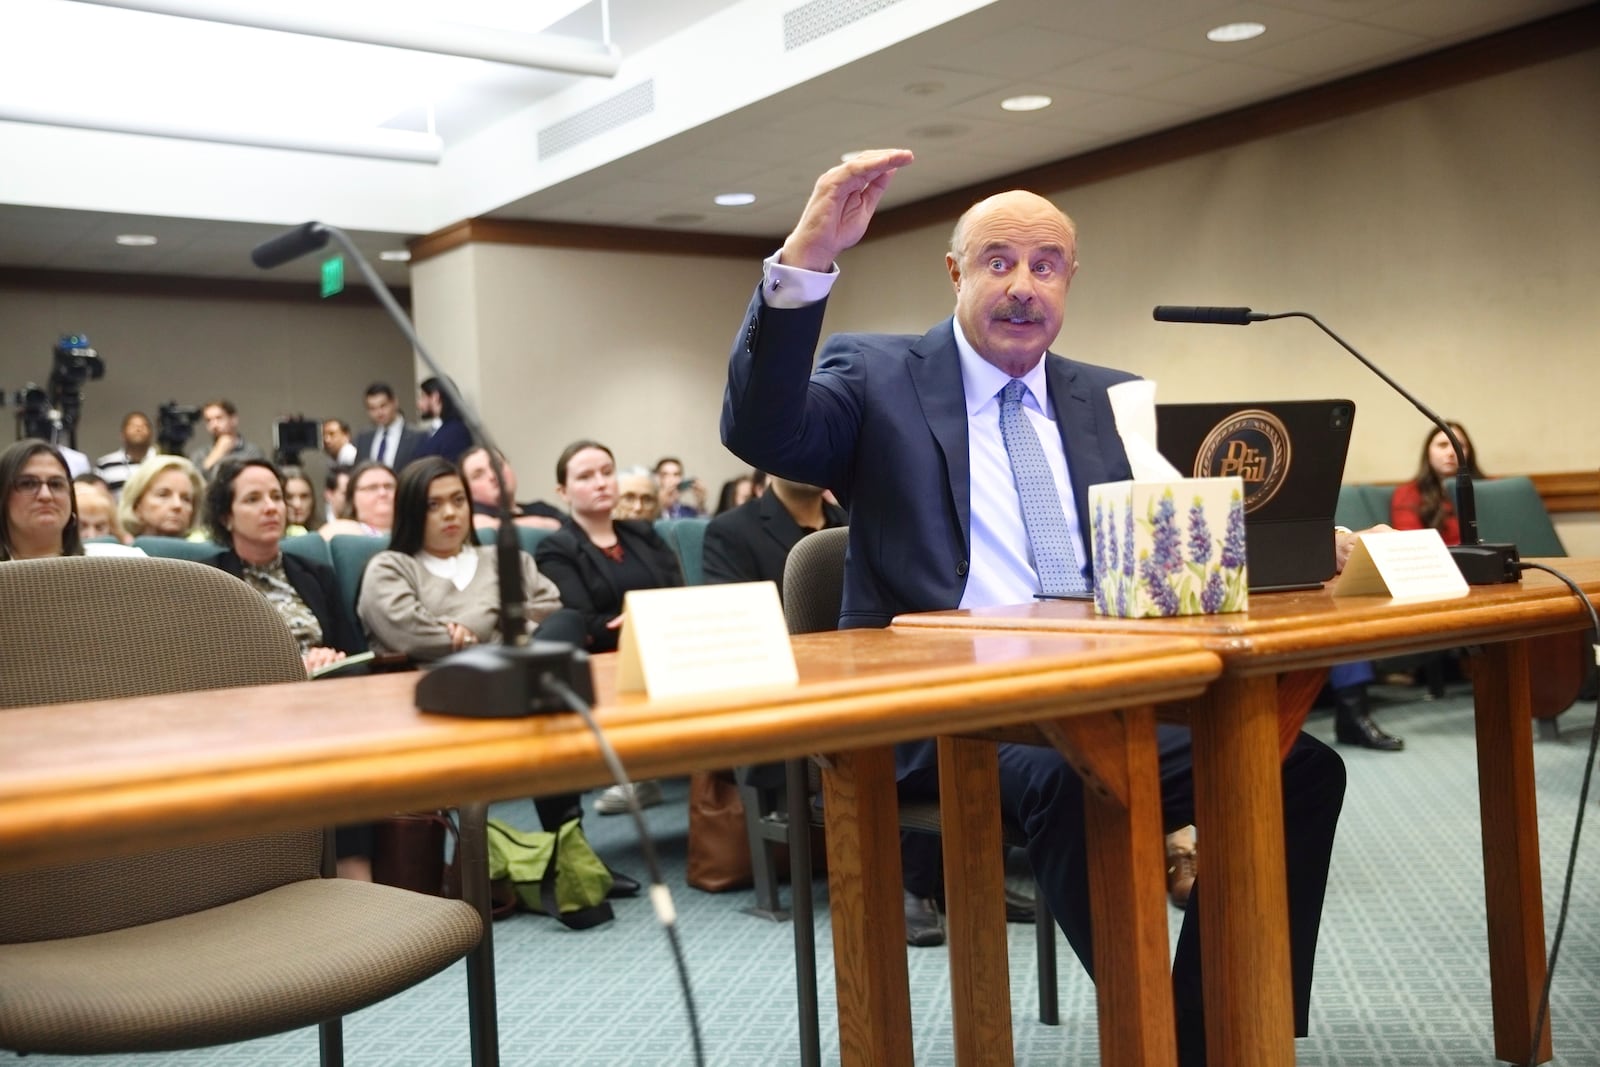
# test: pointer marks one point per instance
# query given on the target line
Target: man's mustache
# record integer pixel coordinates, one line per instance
(1016, 309)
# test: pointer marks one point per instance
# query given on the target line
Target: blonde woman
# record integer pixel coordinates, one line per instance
(162, 498)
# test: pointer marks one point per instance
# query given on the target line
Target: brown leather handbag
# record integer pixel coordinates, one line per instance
(408, 853)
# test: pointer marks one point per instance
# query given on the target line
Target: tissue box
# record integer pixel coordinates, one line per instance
(1169, 547)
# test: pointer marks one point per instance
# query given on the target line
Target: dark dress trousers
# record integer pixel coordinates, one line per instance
(882, 421)
(593, 585)
(751, 542)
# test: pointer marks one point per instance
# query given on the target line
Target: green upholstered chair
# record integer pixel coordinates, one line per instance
(1362, 506)
(178, 548)
(201, 945)
(528, 536)
(350, 554)
(688, 539)
(312, 547)
(1510, 509)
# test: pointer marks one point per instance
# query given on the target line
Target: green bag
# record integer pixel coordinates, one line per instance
(554, 873)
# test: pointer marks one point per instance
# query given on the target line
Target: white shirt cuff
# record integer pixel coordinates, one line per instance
(783, 286)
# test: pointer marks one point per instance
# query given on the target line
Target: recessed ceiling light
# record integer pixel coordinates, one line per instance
(1235, 31)
(734, 199)
(1029, 102)
(395, 255)
(136, 240)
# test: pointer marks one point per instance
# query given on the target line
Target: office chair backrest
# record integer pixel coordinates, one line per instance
(813, 581)
(1511, 509)
(97, 628)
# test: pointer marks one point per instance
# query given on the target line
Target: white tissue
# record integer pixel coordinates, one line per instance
(1134, 405)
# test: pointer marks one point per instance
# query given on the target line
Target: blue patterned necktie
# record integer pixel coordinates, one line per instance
(1054, 555)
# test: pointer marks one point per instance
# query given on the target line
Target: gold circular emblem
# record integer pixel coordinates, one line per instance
(1252, 444)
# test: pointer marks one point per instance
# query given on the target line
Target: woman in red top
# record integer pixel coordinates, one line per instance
(1422, 503)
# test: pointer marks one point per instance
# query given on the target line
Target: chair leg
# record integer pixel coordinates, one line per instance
(805, 945)
(483, 1023)
(330, 1042)
(763, 855)
(1044, 935)
(1549, 729)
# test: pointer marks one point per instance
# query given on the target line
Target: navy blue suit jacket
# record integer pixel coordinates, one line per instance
(883, 423)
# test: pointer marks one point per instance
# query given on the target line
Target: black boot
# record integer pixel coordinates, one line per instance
(1353, 725)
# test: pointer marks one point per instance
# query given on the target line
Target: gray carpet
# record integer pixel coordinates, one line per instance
(1401, 972)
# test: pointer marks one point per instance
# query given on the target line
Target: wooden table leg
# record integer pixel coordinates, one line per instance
(1116, 755)
(974, 883)
(866, 901)
(1244, 896)
(1511, 880)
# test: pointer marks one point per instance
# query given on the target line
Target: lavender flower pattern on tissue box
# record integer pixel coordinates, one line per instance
(1169, 548)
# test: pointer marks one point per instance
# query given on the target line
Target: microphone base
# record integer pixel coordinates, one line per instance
(497, 682)
(1487, 564)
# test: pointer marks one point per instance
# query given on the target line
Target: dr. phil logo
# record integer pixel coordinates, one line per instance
(1252, 444)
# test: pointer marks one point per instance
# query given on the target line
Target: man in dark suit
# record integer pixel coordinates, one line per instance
(965, 458)
(390, 441)
(751, 543)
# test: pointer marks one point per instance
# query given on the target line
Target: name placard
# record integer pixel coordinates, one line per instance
(1403, 564)
(704, 638)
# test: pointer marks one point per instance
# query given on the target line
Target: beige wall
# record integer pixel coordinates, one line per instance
(270, 357)
(1448, 238)
(627, 348)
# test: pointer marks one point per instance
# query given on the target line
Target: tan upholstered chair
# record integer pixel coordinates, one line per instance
(197, 946)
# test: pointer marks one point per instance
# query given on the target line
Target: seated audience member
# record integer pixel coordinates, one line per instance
(485, 490)
(735, 491)
(247, 513)
(222, 421)
(40, 518)
(300, 499)
(752, 542)
(97, 510)
(595, 560)
(1423, 503)
(336, 442)
(638, 496)
(452, 438)
(434, 591)
(681, 498)
(335, 488)
(161, 498)
(137, 435)
(369, 503)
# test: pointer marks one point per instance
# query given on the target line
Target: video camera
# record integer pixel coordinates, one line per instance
(293, 435)
(51, 413)
(174, 426)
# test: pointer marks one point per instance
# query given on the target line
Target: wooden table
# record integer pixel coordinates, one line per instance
(129, 775)
(1238, 802)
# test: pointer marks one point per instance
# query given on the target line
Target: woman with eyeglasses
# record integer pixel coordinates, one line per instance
(368, 503)
(40, 518)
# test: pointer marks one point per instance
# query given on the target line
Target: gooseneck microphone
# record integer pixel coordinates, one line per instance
(1217, 316)
(1480, 563)
(504, 681)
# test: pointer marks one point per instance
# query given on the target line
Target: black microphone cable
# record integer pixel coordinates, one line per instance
(1577, 828)
(660, 895)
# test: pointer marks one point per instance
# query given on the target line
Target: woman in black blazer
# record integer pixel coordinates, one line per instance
(594, 560)
(246, 514)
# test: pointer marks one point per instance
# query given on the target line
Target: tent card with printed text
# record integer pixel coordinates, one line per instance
(704, 638)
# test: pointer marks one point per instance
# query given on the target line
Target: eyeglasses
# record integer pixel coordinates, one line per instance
(376, 487)
(29, 484)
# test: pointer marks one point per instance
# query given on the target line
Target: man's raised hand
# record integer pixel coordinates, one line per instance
(841, 205)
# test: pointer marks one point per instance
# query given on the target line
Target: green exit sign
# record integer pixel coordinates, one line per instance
(332, 276)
